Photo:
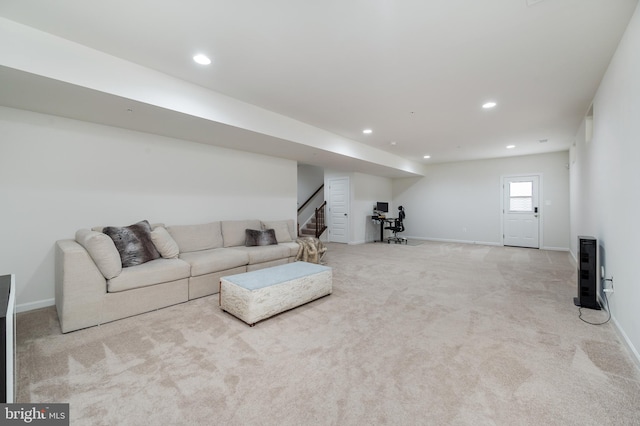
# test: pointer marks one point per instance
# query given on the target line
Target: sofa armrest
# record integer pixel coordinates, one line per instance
(80, 287)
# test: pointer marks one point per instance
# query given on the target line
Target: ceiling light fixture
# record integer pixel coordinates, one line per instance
(510, 146)
(202, 59)
(367, 131)
(488, 105)
(393, 143)
(426, 157)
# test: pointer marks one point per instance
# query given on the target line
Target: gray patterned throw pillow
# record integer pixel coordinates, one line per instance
(253, 237)
(133, 243)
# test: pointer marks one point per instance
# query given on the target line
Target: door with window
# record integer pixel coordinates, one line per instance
(339, 210)
(521, 214)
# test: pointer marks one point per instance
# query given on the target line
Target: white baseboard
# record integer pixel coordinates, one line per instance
(632, 349)
(446, 240)
(35, 305)
(555, 248)
(573, 255)
(634, 352)
(484, 243)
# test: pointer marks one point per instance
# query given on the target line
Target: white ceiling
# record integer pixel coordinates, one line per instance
(414, 71)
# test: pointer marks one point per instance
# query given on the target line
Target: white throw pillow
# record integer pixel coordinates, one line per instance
(166, 245)
(102, 250)
(282, 230)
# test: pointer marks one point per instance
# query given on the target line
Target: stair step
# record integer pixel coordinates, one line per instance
(309, 229)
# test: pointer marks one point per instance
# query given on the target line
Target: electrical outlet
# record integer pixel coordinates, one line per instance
(610, 288)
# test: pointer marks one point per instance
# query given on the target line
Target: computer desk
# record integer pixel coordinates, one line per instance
(382, 221)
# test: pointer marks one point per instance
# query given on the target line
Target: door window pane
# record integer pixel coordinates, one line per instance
(521, 204)
(520, 189)
(521, 196)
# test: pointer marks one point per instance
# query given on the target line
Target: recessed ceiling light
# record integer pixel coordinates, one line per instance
(393, 143)
(510, 146)
(488, 105)
(367, 131)
(427, 157)
(202, 59)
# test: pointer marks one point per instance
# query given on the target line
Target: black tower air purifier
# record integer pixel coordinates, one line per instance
(587, 275)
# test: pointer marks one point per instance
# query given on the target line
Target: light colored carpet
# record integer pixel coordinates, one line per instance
(430, 334)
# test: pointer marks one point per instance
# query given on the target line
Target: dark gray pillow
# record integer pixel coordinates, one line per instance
(133, 243)
(254, 237)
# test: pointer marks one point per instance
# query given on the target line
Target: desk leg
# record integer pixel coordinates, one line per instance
(382, 231)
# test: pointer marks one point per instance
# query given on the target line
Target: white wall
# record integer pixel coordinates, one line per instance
(59, 175)
(605, 173)
(462, 201)
(310, 178)
(455, 196)
(365, 190)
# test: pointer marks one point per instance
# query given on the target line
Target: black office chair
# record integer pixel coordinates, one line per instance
(397, 227)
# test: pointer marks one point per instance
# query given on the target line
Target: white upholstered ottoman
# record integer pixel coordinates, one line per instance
(256, 295)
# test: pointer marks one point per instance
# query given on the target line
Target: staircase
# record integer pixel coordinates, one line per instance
(316, 225)
(309, 230)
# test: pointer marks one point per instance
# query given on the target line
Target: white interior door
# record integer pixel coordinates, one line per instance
(521, 213)
(339, 210)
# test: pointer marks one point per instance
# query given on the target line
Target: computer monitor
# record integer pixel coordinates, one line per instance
(382, 207)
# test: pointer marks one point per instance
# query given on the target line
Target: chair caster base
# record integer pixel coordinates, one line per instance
(398, 240)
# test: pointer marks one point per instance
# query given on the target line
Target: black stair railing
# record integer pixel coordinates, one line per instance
(310, 198)
(320, 223)
(319, 214)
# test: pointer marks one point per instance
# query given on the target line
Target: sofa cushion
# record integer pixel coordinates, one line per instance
(133, 243)
(261, 254)
(154, 272)
(233, 231)
(284, 229)
(254, 237)
(102, 250)
(166, 245)
(292, 246)
(197, 237)
(214, 260)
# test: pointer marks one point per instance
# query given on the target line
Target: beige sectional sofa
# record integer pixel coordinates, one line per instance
(93, 288)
